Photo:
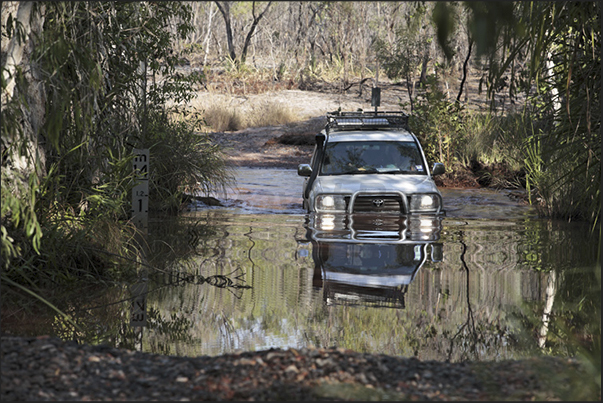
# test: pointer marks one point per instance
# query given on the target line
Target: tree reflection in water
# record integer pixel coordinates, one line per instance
(474, 290)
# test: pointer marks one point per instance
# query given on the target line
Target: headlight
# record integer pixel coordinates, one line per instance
(326, 222)
(424, 227)
(424, 203)
(330, 203)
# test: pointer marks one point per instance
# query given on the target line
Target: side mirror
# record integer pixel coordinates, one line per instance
(438, 169)
(304, 170)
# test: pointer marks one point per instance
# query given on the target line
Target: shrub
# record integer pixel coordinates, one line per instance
(182, 160)
(269, 113)
(222, 118)
(439, 124)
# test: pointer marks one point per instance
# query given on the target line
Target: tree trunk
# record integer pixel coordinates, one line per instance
(458, 97)
(554, 91)
(16, 46)
(26, 153)
(423, 77)
(409, 88)
(256, 20)
(207, 37)
(225, 10)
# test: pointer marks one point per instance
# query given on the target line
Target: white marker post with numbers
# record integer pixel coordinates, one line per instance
(140, 217)
(140, 192)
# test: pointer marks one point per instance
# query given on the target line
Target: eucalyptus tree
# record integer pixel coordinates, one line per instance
(409, 49)
(105, 73)
(226, 9)
(23, 158)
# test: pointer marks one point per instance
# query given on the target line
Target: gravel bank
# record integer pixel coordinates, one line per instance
(50, 369)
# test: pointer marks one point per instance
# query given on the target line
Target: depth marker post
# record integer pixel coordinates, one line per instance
(140, 217)
(140, 192)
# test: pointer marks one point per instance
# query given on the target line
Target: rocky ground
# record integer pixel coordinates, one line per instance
(50, 369)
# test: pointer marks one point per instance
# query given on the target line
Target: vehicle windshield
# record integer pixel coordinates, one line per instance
(367, 157)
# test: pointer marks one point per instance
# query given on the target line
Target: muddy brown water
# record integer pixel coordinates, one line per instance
(485, 282)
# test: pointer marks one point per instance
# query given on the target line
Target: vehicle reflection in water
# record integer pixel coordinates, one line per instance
(371, 260)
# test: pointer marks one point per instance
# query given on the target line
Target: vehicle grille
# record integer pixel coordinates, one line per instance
(376, 203)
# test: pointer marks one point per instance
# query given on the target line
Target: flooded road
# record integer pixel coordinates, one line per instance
(489, 281)
(278, 191)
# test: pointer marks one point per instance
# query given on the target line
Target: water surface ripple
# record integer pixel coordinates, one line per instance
(482, 283)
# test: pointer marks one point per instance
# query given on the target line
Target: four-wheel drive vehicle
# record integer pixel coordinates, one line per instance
(369, 162)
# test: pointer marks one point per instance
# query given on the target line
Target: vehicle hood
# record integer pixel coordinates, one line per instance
(375, 182)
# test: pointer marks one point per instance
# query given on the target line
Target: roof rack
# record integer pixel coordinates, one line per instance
(366, 120)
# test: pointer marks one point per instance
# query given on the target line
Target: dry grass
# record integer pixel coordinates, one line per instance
(248, 80)
(222, 118)
(270, 113)
(226, 113)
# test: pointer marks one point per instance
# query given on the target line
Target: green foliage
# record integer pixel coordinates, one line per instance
(484, 24)
(19, 220)
(439, 124)
(237, 70)
(183, 160)
(443, 16)
(402, 58)
(399, 60)
(482, 141)
(561, 77)
(564, 162)
(20, 231)
(81, 240)
(98, 64)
